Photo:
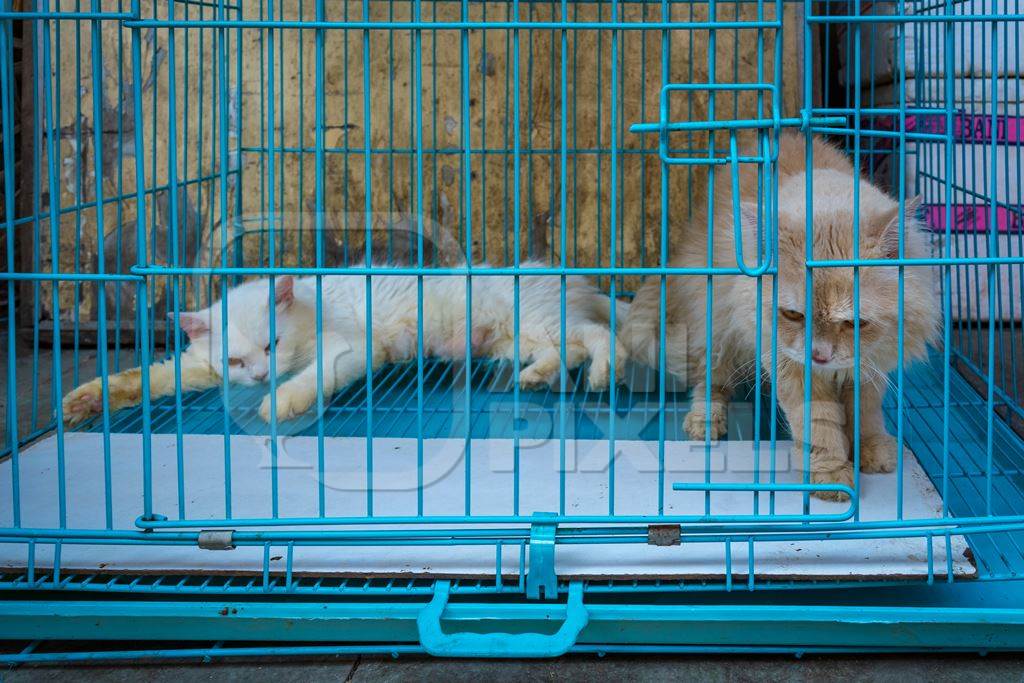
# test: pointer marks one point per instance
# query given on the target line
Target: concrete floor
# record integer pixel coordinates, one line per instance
(895, 668)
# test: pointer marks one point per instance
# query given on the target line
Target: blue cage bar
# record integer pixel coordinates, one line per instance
(157, 154)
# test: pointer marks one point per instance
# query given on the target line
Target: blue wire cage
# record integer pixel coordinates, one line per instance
(156, 154)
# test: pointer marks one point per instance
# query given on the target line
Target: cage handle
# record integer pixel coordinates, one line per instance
(769, 248)
(498, 644)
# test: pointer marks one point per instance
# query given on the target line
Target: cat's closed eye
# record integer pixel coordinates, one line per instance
(236, 362)
(266, 349)
(848, 324)
(790, 314)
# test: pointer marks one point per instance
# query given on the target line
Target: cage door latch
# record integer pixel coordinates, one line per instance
(541, 574)
(217, 539)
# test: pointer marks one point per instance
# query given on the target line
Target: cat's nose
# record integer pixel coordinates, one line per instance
(821, 355)
(259, 376)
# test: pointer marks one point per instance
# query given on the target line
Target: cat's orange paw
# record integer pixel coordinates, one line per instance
(531, 379)
(843, 475)
(878, 453)
(696, 421)
(82, 403)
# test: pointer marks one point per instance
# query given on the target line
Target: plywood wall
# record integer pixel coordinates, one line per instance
(273, 105)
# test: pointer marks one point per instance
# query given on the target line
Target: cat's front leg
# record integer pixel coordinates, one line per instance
(878, 448)
(702, 412)
(829, 445)
(124, 389)
(343, 364)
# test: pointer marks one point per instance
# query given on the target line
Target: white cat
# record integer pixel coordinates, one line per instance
(246, 336)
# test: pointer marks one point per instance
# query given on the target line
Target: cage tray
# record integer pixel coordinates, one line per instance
(490, 473)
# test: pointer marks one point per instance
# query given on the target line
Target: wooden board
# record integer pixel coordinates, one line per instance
(483, 64)
(587, 490)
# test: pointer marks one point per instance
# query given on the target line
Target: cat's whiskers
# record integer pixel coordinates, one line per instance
(869, 369)
(742, 370)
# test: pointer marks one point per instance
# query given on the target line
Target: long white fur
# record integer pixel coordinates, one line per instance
(394, 327)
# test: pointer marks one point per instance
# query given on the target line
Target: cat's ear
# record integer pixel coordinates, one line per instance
(889, 238)
(284, 291)
(191, 323)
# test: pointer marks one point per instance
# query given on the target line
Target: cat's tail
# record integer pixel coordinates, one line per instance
(602, 312)
(124, 389)
(621, 312)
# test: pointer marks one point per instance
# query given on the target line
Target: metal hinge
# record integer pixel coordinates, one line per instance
(217, 539)
(663, 534)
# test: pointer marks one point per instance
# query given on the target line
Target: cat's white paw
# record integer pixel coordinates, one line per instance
(292, 401)
(843, 475)
(82, 403)
(597, 377)
(530, 379)
(696, 421)
(264, 410)
(878, 453)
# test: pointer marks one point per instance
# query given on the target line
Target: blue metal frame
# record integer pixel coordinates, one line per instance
(798, 626)
(965, 440)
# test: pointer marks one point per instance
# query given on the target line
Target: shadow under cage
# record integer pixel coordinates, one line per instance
(488, 160)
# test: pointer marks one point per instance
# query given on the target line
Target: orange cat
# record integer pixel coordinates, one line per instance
(734, 315)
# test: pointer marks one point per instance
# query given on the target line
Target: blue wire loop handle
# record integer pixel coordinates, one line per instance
(737, 218)
(663, 125)
(441, 644)
(776, 123)
(778, 487)
(738, 124)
